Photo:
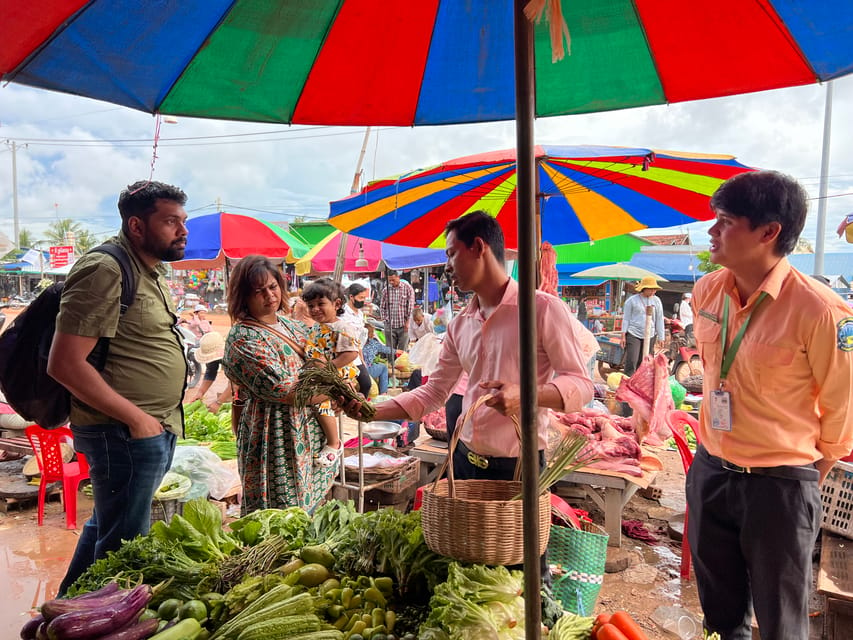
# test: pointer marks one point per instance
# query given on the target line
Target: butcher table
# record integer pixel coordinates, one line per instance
(616, 489)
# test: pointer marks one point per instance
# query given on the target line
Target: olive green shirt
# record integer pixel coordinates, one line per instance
(146, 361)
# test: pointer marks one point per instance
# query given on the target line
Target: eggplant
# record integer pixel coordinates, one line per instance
(57, 607)
(28, 631)
(136, 631)
(110, 587)
(41, 632)
(99, 621)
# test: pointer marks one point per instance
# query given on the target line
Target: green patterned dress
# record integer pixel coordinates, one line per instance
(276, 443)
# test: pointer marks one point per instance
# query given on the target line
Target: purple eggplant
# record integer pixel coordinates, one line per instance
(99, 621)
(110, 587)
(28, 631)
(41, 632)
(136, 631)
(54, 608)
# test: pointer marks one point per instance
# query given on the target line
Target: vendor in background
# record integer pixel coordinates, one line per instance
(419, 325)
(372, 348)
(198, 323)
(634, 323)
(685, 314)
(777, 349)
(353, 315)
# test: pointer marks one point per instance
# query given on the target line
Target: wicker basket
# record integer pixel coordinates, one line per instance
(438, 434)
(394, 479)
(165, 509)
(836, 496)
(477, 520)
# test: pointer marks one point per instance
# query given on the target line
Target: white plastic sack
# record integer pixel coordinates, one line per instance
(205, 469)
(425, 353)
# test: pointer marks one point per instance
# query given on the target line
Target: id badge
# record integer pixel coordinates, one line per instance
(721, 410)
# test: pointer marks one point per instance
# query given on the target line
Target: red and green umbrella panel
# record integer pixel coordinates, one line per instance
(373, 62)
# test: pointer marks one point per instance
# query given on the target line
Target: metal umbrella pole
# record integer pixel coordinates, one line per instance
(525, 98)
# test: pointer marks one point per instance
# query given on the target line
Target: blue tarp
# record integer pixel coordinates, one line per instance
(397, 257)
(675, 267)
(834, 264)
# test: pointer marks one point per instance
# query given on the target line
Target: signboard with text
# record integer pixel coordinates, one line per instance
(61, 256)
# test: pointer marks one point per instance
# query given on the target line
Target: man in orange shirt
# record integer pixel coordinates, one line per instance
(777, 348)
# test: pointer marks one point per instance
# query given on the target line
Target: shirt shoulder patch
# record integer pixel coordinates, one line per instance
(845, 334)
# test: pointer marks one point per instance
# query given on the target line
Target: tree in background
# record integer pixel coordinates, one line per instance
(705, 264)
(85, 241)
(25, 238)
(59, 230)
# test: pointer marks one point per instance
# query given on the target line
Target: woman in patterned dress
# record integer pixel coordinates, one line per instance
(276, 442)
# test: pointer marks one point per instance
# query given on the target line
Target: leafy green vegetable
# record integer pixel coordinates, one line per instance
(291, 524)
(199, 531)
(476, 602)
(204, 426)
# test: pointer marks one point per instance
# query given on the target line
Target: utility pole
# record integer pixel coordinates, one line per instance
(820, 236)
(15, 193)
(356, 181)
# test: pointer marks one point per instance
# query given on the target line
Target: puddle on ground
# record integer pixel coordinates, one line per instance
(33, 559)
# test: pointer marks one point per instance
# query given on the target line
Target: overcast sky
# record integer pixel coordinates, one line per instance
(75, 155)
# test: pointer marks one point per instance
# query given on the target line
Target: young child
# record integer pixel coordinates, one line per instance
(330, 338)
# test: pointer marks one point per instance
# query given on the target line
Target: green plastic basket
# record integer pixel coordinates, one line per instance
(578, 556)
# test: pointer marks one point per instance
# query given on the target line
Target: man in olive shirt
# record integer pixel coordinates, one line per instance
(125, 418)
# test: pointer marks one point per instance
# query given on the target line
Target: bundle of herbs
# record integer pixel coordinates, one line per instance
(566, 458)
(321, 378)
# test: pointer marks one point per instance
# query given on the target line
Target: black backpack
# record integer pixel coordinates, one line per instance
(25, 346)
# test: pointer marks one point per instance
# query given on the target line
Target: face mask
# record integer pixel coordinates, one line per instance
(358, 304)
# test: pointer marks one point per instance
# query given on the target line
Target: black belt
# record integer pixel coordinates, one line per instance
(481, 461)
(787, 472)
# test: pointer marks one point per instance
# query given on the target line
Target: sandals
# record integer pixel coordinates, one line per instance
(329, 455)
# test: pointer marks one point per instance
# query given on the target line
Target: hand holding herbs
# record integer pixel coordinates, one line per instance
(321, 378)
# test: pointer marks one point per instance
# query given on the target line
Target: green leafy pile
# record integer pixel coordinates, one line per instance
(476, 603)
(291, 524)
(203, 426)
(184, 552)
(388, 542)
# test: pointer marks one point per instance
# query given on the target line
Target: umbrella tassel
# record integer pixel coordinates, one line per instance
(534, 11)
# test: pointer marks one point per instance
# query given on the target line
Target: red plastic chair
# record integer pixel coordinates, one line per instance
(46, 446)
(676, 421)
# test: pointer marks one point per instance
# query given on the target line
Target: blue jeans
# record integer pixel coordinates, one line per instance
(125, 473)
(380, 373)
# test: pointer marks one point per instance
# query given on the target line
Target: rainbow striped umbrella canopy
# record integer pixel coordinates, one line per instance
(413, 62)
(584, 193)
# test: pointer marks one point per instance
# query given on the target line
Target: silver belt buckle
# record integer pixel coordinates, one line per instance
(731, 466)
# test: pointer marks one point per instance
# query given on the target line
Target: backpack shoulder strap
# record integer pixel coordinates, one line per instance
(128, 277)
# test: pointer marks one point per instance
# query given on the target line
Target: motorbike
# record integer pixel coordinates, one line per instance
(682, 353)
(191, 344)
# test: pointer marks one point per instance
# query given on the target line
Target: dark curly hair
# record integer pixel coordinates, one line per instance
(325, 288)
(250, 274)
(478, 224)
(139, 200)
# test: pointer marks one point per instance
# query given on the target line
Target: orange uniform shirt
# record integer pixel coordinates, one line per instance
(791, 382)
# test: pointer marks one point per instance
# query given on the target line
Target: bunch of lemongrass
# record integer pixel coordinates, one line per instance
(321, 378)
(566, 459)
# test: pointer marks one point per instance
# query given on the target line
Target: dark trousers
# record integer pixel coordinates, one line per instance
(634, 352)
(363, 379)
(452, 411)
(751, 538)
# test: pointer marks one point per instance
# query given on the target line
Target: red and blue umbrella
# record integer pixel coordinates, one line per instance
(217, 236)
(424, 62)
(584, 193)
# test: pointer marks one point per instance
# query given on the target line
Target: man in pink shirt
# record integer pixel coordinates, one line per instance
(482, 341)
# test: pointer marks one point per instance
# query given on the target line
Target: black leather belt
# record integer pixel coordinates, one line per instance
(788, 472)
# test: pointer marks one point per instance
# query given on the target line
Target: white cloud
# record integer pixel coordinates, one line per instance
(293, 171)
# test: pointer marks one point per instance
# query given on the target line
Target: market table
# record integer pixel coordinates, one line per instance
(431, 453)
(618, 488)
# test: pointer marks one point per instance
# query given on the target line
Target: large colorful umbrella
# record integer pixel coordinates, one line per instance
(584, 193)
(428, 62)
(217, 236)
(368, 62)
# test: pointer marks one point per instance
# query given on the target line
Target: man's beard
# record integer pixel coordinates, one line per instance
(168, 253)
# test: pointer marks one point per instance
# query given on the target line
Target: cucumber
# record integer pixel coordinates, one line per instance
(186, 629)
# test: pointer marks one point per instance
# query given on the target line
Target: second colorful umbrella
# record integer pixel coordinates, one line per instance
(585, 193)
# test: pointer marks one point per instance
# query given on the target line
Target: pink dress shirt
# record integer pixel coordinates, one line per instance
(489, 350)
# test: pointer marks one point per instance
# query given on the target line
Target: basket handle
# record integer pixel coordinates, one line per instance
(451, 447)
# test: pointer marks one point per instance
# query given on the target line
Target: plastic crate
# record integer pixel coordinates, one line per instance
(165, 509)
(837, 500)
(610, 350)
